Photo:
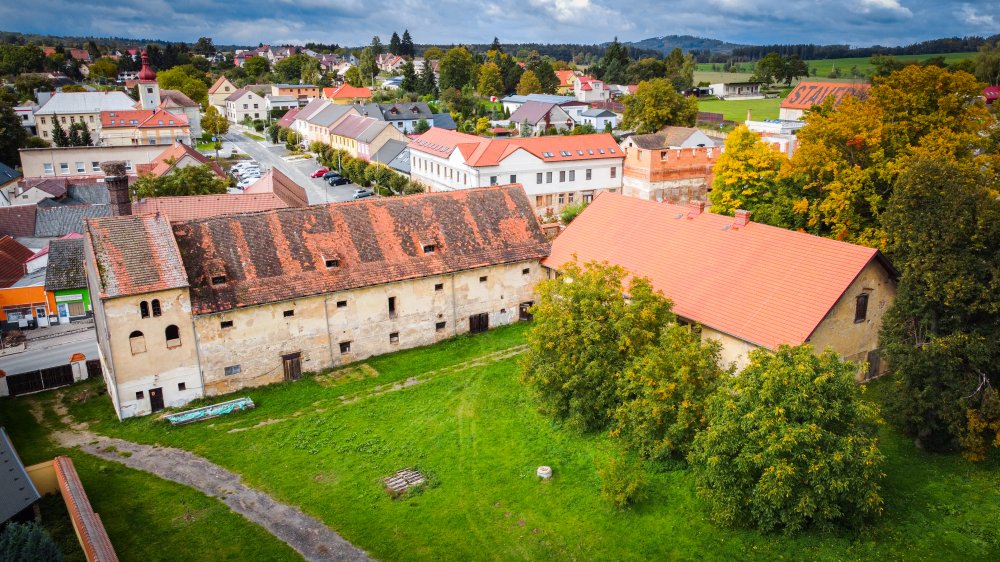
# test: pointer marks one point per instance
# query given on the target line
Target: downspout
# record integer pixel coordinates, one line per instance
(197, 354)
(454, 308)
(329, 336)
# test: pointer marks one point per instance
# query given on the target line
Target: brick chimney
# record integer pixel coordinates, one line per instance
(742, 218)
(116, 179)
(695, 208)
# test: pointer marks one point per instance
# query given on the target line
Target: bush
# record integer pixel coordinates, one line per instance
(258, 125)
(569, 212)
(790, 444)
(27, 542)
(623, 480)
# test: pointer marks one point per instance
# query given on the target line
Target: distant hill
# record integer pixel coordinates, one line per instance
(685, 43)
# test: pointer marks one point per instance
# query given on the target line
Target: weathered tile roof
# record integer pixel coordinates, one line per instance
(176, 98)
(289, 117)
(135, 254)
(18, 220)
(279, 255)
(761, 284)
(57, 221)
(535, 111)
(65, 267)
(166, 160)
(13, 255)
(184, 208)
(411, 110)
(808, 94)
(275, 181)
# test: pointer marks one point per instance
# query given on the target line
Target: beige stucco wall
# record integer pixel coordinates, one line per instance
(853, 340)
(33, 160)
(45, 123)
(734, 350)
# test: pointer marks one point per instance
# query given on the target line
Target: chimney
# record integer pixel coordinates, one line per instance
(695, 208)
(117, 181)
(742, 218)
(749, 114)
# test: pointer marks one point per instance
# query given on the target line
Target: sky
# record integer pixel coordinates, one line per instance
(354, 22)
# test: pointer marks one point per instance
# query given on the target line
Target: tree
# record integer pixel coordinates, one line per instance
(104, 68)
(186, 78)
(885, 65)
(27, 542)
(256, 66)
(746, 173)
(410, 81)
(79, 135)
(490, 82)
(12, 134)
(529, 84)
(586, 332)
(289, 69)
(655, 104)
(790, 445)
(395, 46)
(663, 394)
(368, 65)
(59, 136)
(433, 53)
(428, 82)
(940, 334)
(495, 46)
(406, 45)
(353, 77)
(987, 63)
(376, 47)
(614, 64)
(204, 46)
(457, 68)
(768, 69)
(310, 72)
(216, 124)
(793, 67)
(421, 126)
(189, 180)
(27, 84)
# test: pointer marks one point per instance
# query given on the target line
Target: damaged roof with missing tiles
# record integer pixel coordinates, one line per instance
(282, 254)
(135, 254)
(65, 267)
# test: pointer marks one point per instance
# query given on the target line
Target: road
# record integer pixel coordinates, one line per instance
(50, 352)
(270, 156)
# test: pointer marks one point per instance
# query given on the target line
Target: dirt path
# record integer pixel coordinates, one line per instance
(307, 535)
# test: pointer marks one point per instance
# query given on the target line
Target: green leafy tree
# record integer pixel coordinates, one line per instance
(458, 68)
(586, 332)
(26, 84)
(289, 69)
(310, 73)
(529, 84)
(623, 480)
(884, 65)
(768, 69)
(613, 67)
(571, 211)
(987, 63)
(790, 445)
(204, 46)
(746, 174)
(368, 65)
(12, 134)
(104, 68)
(27, 542)
(216, 124)
(353, 77)
(187, 79)
(428, 82)
(421, 126)
(940, 335)
(664, 393)
(656, 104)
(59, 136)
(256, 66)
(433, 53)
(189, 180)
(376, 47)
(490, 81)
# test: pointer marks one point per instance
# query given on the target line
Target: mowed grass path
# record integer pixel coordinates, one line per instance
(736, 110)
(324, 443)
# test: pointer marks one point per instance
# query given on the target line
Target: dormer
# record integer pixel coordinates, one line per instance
(215, 272)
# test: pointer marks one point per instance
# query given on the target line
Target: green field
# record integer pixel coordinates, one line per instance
(736, 110)
(823, 67)
(462, 417)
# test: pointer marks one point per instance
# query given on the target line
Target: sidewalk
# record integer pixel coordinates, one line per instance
(59, 330)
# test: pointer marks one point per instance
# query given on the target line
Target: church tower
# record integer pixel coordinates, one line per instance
(149, 89)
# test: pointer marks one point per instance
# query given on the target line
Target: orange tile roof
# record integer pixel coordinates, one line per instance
(218, 84)
(135, 254)
(479, 151)
(275, 181)
(183, 208)
(565, 77)
(762, 284)
(808, 94)
(163, 163)
(346, 91)
(141, 118)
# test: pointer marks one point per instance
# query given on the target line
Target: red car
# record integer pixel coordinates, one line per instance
(319, 173)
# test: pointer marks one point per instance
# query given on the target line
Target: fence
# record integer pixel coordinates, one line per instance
(52, 377)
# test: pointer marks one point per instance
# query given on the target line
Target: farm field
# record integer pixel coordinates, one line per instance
(457, 412)
(736, 110)
(704, 72)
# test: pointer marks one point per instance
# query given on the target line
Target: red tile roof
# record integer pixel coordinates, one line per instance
(164, 163)
(280, 255)
(141, 118)
(808, 94)
(346, 91)
(479, 151)
(288, 118)
(218, 84)
(89, 528)
(764, 285)
(13, 256)
(18, 220)
(565, 77)
(135, 254)
(275, 181)
(184, 208)
(176, 98)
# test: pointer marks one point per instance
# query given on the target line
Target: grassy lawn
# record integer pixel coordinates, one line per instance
(204, 146)
(323, 443)
(736, 110)
(254, 137)
(824, 66)
(146, 518)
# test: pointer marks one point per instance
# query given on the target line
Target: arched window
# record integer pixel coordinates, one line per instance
(173, 336)
(156, 307)
(144, 309)
(137, 341)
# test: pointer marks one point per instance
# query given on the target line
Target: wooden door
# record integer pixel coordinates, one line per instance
(479, 323)
(293, 366)
(156, 399)
(524, 313)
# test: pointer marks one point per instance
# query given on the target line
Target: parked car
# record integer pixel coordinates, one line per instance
(247, 183)
(330, 174)
(320, 173)
(362, 193)
(249, 172)
(243, 165)
(337, 180)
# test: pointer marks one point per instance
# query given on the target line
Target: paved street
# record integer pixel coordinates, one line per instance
(270, 156)
(50, 352)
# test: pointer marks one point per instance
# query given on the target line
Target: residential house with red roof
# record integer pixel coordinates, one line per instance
(589, 89)
(347, 94)
(747, 285)
(209, 306)
(554, 170)
(218, 93)
(178, 156)
(143, 127)
(566, 78)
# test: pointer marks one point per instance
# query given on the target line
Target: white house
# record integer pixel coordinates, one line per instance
(554, 170)
(737, 91)
(589, 89)
(598, 118)
(245, 103)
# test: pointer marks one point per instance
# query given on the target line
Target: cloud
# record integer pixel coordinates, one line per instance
(972, 17)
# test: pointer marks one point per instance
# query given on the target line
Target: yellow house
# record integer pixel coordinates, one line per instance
(143, 127)
(218, 93)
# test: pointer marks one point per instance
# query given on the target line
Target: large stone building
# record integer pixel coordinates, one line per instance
(79, 107)
(205, 307)
(748, 285)
(674, 164)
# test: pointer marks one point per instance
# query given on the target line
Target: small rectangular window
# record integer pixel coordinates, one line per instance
(538, 177)
(218, 280)
(861, 308)
(548, 177)
(614, 171)
(288, 313)
(332, 263)
(394, 337)
(588, 173)
(513, 178)
(482, 279)
(47, 169)
(429, 248)
(572, 175)
(139, 395)
(562, 198)
(439, 327)
(80, 168)
(526, 271)
(232, 370)
(226, 324)
(493, 180)
(63, 168)
(439, 286)
(345, 347)
(181, 386)
(562, 176)
(95, 166)
(341, 304)
(392, 307)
